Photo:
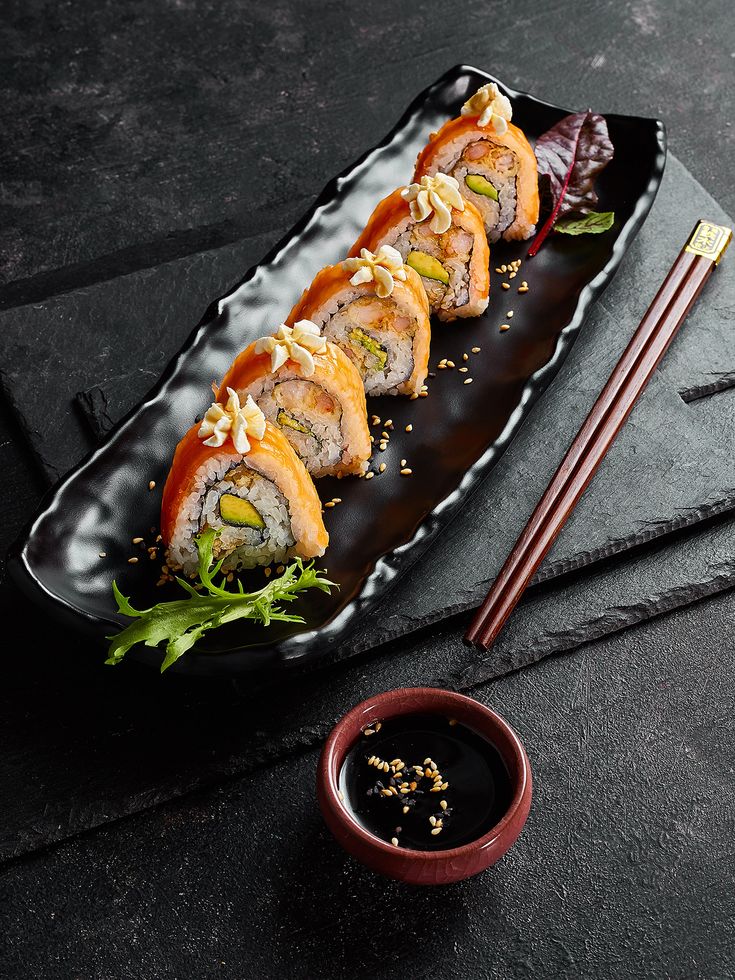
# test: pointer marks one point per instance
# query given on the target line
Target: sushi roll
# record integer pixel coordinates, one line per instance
(310, 390)
(491, 160)
(439, 235)
(375, 309)
(237, 473)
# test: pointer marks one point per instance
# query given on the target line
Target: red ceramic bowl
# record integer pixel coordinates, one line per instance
(424, 867)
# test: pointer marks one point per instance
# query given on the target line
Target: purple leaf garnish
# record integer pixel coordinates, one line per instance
(570, 156)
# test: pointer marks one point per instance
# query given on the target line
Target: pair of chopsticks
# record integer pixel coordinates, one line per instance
(649, 343)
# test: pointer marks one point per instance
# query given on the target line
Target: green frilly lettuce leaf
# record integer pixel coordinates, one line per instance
(179, 623)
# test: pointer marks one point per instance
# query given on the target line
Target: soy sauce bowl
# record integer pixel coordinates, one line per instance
(424, 867)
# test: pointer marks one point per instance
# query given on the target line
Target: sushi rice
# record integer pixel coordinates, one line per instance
(243, 547)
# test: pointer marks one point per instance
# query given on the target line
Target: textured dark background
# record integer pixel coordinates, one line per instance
(135, 134)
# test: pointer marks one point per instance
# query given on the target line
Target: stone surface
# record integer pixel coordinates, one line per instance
(126, 124)
(623, 871)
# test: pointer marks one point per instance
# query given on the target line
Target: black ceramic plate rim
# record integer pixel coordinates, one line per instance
(378, 581)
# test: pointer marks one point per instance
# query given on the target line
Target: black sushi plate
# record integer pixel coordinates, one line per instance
(459, 431)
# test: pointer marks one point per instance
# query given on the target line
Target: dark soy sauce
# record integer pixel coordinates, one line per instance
(477, 786)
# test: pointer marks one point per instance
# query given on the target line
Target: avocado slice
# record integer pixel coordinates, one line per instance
(481, 185)
(371, 345)
(241, 513)
(284, 419)
(427, 266)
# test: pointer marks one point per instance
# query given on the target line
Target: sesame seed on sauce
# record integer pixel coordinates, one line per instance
(505, 285)
(504, 327)
(476, 350)
(369, 475)
(406, 471)
(409, 427)
(467, 381)
(152, 485)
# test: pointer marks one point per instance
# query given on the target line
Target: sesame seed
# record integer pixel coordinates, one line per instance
(503, 268)
(409, 427)
(504, 327)
(386, 767)
(403, 462)
(412, 786)
(413, 397)
(505, 285)
(476, 350)
(467, 381)
(406, 471)
(381, 468)
(103, 554)
(371, 760)
(406, 809)
(450, 364)
(137, 540)
(463, 370)
(499, 270)
(375, 420)
(427, 762)
(435, 789)
(378, 726)
(523, 289)
(445, 785)
(369, 731)
(386, 792)
(329, 503)
(389, 423)
(423, 394)
(435, 831)
(443, 804)
(432, 821)
(336, 500)
(152, 485)
(132, 561)
(370, 475)
(512, 275)
(452, 721)
(394, 841)
(384, 436)
(465, 357)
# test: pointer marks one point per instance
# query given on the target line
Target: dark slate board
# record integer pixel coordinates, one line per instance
(114, 324)
(126, 740)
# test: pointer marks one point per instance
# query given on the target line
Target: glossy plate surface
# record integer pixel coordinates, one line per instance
(459, 431)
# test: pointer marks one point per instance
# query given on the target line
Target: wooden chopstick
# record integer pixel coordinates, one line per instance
(649, 343)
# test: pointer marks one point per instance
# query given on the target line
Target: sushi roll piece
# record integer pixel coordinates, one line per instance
(439, 235)
(237, 473)
(310, 390)
(491, 160)
(375, 309)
